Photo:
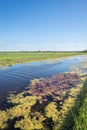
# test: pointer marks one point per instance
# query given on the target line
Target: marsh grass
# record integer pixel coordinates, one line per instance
(80, 119)
(76, 118)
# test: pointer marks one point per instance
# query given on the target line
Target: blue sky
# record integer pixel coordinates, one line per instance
(27, 25)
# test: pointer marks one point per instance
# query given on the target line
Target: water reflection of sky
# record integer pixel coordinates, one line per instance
(16, 77)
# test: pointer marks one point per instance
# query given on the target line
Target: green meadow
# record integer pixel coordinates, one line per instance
(10, 58)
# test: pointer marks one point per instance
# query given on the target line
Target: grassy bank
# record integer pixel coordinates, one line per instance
(10, 58)
(81, 118)
(76, 118)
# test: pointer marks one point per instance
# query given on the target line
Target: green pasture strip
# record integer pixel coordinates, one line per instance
(76, 118)
(10, 58)
(81, 119)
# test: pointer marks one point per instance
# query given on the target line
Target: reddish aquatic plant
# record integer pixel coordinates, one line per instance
(56, 87)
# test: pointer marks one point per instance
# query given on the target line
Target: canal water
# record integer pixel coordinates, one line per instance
(17, 77)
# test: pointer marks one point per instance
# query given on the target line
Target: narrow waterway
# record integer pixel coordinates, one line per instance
(17, 77)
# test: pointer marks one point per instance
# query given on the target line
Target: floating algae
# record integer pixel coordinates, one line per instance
(57, 93)
(3, 119)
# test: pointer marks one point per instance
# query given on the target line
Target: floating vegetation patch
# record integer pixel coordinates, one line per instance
(80, 68)
(43, 104)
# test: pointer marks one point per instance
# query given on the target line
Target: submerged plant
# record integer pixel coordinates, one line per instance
(3, 119)
(29, 124)
(51, 111)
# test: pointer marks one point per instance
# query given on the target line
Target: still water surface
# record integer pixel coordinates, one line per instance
(17, 77)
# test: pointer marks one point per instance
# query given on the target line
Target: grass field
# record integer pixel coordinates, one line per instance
(10, 58)
(81, 119)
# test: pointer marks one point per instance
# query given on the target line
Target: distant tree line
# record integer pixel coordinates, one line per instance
(85, 51)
